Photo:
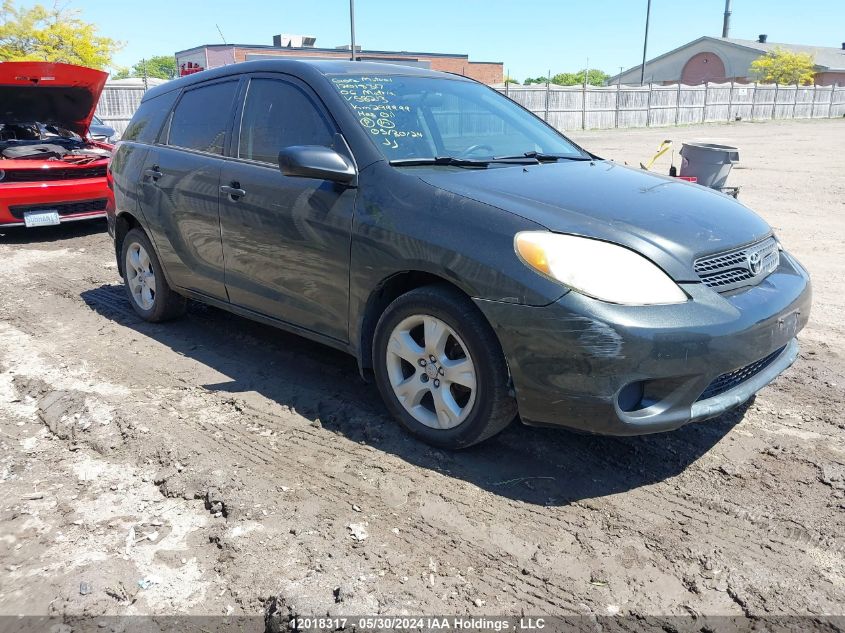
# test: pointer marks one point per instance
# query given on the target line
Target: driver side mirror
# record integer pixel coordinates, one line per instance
(317, 161)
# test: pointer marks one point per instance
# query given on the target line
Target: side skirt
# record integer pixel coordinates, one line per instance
(267, 320)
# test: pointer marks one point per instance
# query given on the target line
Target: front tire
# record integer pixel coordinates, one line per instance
(440, 368)
(150, 295)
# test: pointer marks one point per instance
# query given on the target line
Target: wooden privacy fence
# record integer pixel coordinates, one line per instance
(597, 107)
(574, 107)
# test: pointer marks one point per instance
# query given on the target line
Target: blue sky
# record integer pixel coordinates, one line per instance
(529, 36)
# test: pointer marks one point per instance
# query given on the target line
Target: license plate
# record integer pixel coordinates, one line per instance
(40, 218)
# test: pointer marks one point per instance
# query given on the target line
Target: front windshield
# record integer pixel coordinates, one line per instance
(427, 117)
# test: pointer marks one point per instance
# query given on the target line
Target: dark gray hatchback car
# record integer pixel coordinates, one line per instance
(475, 261)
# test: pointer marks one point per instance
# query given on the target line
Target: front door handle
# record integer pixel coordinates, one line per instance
(233, 191)
(153, 173)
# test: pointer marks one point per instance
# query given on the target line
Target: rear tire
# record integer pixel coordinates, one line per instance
(150, 295)
(440, 368)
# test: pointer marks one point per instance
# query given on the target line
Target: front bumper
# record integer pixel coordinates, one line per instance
(628, 370)
(74, 199)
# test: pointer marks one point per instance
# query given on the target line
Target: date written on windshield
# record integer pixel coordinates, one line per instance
(375, 106)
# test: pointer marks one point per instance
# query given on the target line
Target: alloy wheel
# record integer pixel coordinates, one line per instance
(140, 276)
(431, 371)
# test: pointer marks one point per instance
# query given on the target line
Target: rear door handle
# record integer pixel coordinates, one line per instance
(234, 192)
(153, 173)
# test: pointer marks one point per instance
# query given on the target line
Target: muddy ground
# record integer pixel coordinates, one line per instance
(214, 466)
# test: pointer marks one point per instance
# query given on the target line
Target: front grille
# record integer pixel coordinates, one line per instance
(728, 381)
(59, 173)
(64, 208)
(739, 267)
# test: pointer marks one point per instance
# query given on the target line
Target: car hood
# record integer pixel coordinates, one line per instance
(670, 221)
(58, 94)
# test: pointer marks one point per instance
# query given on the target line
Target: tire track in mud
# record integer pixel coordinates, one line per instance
(232, 436)
(424, 531)
(336, 493)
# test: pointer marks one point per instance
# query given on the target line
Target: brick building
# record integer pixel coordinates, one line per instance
(302, 47)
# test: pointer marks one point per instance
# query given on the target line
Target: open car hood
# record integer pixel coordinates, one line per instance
(58, 94)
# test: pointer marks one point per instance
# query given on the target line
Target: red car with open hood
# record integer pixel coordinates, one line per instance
(50, 171)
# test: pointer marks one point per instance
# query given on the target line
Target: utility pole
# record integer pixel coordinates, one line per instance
(352, 29)
(645, 42)
(144, 74)
(548, 81)
(584, 97)
(726, 25)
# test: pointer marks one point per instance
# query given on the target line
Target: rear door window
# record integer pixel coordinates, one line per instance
(278, 114)
(202, 118)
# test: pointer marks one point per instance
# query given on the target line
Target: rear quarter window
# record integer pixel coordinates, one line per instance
(149, 117)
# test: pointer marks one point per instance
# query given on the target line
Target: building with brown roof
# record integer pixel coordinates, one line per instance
(722, 59)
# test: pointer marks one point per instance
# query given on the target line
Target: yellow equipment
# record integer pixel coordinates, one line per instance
(665, 146)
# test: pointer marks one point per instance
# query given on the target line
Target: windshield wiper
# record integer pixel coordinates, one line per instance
(453, 161)
(547, 158)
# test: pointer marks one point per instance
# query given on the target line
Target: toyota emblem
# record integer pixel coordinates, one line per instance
(754, 263)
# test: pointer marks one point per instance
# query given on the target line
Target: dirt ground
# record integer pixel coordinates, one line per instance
(217, 466)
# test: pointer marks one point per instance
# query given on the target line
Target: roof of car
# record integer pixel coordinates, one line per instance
(300, 67)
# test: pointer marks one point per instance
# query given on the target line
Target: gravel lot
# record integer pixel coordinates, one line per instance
(214, 466)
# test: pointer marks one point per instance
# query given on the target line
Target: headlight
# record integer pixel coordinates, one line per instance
(599, 269)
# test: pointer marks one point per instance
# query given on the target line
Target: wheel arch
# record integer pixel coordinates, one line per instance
(123, 223)
(381, 296)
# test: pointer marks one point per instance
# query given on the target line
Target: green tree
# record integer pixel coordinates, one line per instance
(784, 67)
(161, 66)
(52, 35)
(595, 77)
